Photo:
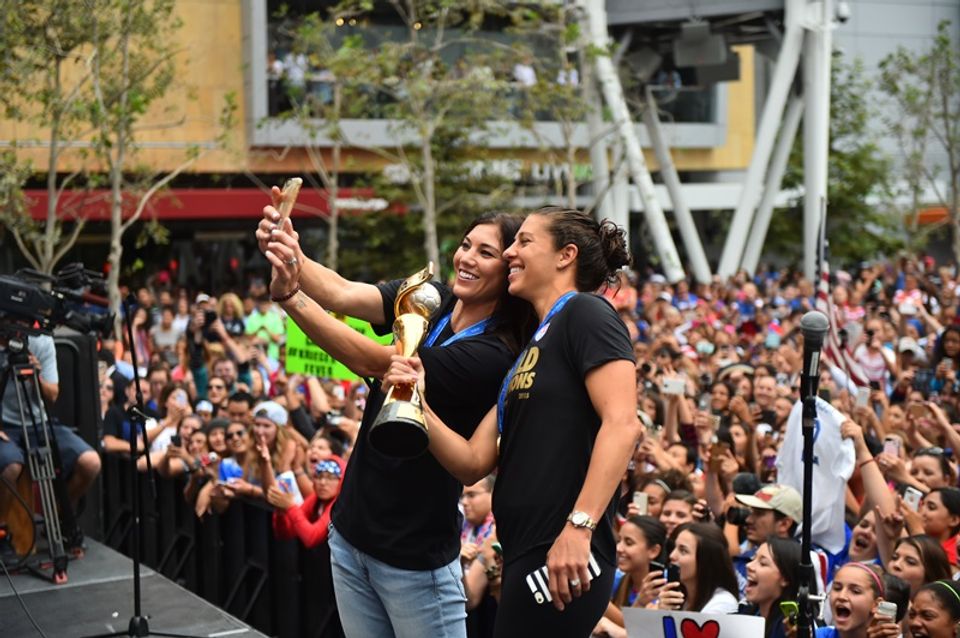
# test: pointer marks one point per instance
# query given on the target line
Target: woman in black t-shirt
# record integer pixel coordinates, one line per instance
(395, 541)
(568, 425)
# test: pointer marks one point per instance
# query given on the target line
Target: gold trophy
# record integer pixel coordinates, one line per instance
(400, 430)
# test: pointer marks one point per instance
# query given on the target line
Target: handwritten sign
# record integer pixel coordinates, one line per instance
(306, 357)
(647, 623)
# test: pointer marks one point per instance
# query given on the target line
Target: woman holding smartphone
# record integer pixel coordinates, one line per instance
(567, 424)
(395, 538)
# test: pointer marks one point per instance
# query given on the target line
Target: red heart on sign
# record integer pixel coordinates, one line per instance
(690, 629)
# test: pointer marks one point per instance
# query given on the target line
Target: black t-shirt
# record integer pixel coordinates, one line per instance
(550, 427)
(404, 512)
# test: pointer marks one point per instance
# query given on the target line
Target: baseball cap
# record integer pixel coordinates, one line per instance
(657, 278)
(204, 406)
(202, 297)
(271, 410)
(909, 344)
(781, 498)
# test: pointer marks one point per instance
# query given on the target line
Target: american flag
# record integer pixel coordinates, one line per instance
(834, 352)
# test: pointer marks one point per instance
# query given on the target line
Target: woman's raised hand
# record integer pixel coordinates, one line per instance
(269, 220)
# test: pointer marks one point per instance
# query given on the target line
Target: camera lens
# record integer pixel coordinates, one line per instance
(737, 515)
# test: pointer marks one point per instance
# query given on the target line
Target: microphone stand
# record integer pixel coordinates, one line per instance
(814, 326)
(138, 627)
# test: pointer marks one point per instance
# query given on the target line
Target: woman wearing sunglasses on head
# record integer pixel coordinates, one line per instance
(395, 561)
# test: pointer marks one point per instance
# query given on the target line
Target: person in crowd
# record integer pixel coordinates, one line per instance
(855, 593)
(230, 312)
(639, 577)
(935, 610)
(158, 434)
(478, 522)
(771, 579)
(477, 332)
(708, 583)
(309, 521)
(81, 463)
(566, 421)
(678, 507)
(216, 436)
(918, 560)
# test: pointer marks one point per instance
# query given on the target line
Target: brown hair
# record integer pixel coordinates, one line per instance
(601, 246)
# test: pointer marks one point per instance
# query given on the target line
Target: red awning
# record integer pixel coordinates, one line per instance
(204, 203)
(935, 215)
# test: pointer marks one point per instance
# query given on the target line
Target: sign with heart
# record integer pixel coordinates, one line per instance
(644, 623)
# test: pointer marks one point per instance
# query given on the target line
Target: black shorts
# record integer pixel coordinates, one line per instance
(521, 616)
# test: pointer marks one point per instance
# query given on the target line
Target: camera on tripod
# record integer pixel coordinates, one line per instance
(35, 303)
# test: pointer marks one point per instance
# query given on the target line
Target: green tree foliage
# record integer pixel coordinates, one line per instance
(924, 88)
(858, 173)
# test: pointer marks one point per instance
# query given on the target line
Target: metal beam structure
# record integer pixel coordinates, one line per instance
(778, 166)
(668, 173)
(786, 69)
(595, 13)
(817, 56)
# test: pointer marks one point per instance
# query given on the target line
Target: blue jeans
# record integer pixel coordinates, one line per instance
(377, 600)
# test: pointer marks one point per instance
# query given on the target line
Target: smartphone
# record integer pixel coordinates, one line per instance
(538, 580)
(790, 610)
(947, 364)
(717, 452)
(912, 497)
(886, 610)
(874, 385)
(907, 309)
(209, 316)
(674, 386)
(673, 573)
(770, 462)
(891, 445)
(688, 435)
(863, 397)
(768, 416)
(917, 410)
(825, 395)
(704, 404)
(288, 198)
(641, 503)
(656, 566)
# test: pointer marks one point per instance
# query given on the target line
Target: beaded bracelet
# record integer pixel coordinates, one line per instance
(287, 296)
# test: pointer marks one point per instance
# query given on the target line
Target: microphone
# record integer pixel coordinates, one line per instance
(814, 326)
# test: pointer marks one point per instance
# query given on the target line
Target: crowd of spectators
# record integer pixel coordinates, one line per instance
(717, 379)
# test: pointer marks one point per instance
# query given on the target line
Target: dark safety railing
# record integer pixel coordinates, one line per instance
(230, 559)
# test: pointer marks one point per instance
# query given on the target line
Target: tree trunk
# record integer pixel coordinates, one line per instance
(430, 244)
(333, 239)
(46, 252)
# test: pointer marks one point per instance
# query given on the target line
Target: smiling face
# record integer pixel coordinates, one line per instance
(765, 583)
(927, 618)
(937, 519)
(863, 542)
(237, 439)
(852, 599)
(217, 440)
(266, 429)
(684, 555)
(719, 397)
(479, 267)
(532, 258)
(633, 552)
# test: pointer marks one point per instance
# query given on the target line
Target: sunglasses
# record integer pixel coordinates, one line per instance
(217, 387)
(236, 434)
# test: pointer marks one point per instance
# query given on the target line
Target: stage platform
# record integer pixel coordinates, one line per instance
(98, 598)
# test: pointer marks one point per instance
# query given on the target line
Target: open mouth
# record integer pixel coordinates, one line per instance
(842, 612)
(514, 270)
(751, 583)
(861, 543)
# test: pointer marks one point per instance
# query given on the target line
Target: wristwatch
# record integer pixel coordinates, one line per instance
(581, 519)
